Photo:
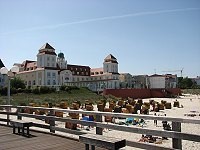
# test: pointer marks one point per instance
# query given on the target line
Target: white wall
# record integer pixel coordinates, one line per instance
(46, 60)
(51, 77)
(157, 82)
(110, 67)
(65, 76)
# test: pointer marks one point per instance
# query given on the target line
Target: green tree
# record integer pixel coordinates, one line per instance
(185, 83)
(17, 83)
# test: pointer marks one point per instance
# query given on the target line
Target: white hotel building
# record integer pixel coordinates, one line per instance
(53, 70)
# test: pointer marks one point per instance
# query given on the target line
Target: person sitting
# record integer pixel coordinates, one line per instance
(143, 139)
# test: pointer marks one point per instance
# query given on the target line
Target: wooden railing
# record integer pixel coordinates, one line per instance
(176, 134)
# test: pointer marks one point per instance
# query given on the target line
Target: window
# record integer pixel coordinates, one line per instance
(48, 74)
(33, 82)
(53, 74)
(48, 82)
(54, 82)
(47, 64)
(77, 73)
(86, 74)
(82, 79)
(47, 58)
(82, 73)
(53, 59)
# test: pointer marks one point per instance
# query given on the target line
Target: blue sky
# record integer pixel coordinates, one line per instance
(146, 36)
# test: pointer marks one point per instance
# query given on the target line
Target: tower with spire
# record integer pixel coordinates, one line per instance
(61, 61)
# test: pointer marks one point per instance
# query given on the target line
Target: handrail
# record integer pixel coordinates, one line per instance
(112, 114)
(176, 134)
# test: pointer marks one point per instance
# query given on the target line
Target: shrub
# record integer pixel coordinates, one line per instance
(44, 90)
(13, 90)
(27, 90)
(3, 91)
(20, 90)
(36, 90)
(62, 88)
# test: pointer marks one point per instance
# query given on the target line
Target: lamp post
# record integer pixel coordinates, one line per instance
(4, 71)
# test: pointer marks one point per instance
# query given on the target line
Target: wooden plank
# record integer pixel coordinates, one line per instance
(99, 130)
(176, 143)
(170, 134)
(174, 119)
(102, 141)
(40, 141)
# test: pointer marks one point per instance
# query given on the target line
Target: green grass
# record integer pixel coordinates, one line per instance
(191, 91)
(81, 95)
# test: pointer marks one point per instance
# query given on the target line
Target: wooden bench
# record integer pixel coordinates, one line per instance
(20, 124)
(101, 141)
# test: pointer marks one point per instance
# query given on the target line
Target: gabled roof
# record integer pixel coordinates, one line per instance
(111, 59)
(110, 56)
(46, 46)
(1, 64)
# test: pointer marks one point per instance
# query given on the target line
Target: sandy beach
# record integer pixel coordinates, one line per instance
(191, 105)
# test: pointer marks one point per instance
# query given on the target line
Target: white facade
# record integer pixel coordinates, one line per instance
(163, 81)
(53, 70)
(157, 82)
(51, 77)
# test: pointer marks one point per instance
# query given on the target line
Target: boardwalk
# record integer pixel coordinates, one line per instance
(37, 141)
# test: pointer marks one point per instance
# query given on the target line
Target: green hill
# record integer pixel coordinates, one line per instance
(80, 94)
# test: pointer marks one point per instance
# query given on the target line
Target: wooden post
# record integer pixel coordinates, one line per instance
(176, 143)
(18, 116)
(51, 122)
(8, 109)
(99, 130)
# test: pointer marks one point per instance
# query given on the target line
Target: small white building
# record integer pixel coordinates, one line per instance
(162, 81)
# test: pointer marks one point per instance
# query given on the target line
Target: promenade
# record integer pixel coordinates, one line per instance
(37, 141)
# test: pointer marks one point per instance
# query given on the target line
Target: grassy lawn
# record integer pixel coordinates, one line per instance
(191, 91)
(81, 95)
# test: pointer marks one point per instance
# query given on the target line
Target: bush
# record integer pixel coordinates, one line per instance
(27, 90)
(20, 90)
(3, 91)
(36, 90)
(52, 89)
(17, 83)
(13, 91)
(44, 90)
(62, 88)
